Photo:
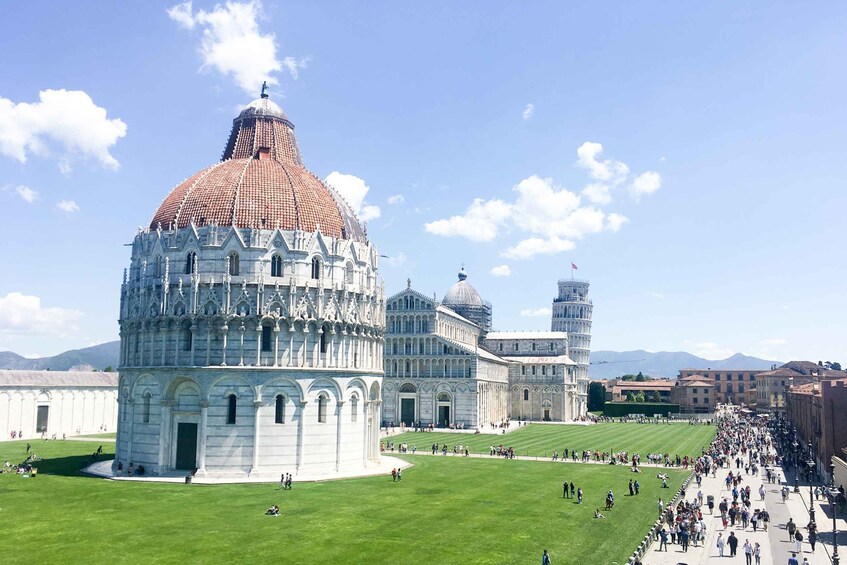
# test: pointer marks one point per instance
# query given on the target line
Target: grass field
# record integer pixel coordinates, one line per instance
(450, 510)
(540, 440)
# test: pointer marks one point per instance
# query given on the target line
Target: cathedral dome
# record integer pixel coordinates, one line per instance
(462, 293)
(260, 182)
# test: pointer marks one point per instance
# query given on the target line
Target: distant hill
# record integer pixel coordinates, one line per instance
(604, 364)
(96, 357)
(613, 364)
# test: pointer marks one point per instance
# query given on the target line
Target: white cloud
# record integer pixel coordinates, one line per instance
(396, 199)
(68, 206)
(354, 190)
(662, 159)
(712, 351)
(26, 193)
(233, 45)
(396, 260)
(614, 222)
(533, 246)
(609, 170)
(69, 118)
(597, 193)
(552, 217)
(22, 314)
(537, 312)
(65, 166)
(528, 111)
(646, 183)
(481, 221)
(657, 295)
(501, 271)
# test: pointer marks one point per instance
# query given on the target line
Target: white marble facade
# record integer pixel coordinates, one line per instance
(250, 374)
(35, 404)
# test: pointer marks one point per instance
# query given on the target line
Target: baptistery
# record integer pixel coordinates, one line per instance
(251, 320)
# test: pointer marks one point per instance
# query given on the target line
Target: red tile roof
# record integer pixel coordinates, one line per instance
(261, 183)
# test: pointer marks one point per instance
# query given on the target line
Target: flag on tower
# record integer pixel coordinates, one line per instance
(573, 266)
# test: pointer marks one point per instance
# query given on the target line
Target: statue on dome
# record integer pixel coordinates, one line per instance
(265, 89)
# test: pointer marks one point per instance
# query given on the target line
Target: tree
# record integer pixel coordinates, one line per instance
(627, 377)
(596, 396)
(639, 397)
(108, 369)
(640, 377)
(630, 397)
(656, 396)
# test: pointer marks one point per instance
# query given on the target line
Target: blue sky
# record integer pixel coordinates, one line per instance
(690, 159)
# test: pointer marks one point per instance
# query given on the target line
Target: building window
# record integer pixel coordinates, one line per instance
(322, 400)
(693, 391)
(533, 370)
(554, 370)
(354, 409)
(186, 338)
(544, 370)
(231, 409)
(717, 378)
(523, 369)
(706, 400)
(316, 268)
(276, 266)
(146, 412)
(526, 394)
(694, 400)
(234, 267)
(533, 346)
(551, 346)
(500, 348)
(323, 341)
(348, 275)
(266, 338)
(740, 387)
(279, 411)
(516, 346)
(189, 262)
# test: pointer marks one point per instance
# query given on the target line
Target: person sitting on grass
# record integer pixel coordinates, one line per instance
(597, 514)
(273, 511)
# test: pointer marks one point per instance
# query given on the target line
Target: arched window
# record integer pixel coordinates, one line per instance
(354, 408)
(516, 346)
(186, 338)
(189, 262)
(348, 274)
(279, 413)
(146, 412)
(231, 409)
(323, 341)
(276, 266)
(526, 394)
(322, 401)
(266, 338)
(316, 268)
(533, 346)
(234, 267)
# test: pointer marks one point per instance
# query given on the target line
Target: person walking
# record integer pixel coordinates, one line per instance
(757, 553)
(798, 539)
(720, 544)
(545, 558)
(663, 540)
(732, 541)
(791, 527)
(813, 534)
(748, 552)
(793, 560)
(683, 538)
(578, 494)
(565, 489)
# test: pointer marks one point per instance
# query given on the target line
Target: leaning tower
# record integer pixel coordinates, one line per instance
(572, 314)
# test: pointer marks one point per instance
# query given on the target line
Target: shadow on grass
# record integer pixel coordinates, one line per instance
(68, 466)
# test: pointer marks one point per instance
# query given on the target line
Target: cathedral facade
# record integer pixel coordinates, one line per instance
(251, 320)
(444, 367)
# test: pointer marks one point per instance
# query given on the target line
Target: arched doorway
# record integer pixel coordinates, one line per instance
(408, 404)
(443, 403)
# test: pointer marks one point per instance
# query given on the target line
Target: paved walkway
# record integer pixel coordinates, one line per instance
(776, 549)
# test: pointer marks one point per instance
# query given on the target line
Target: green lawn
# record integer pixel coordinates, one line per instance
(541, 439)
(446, 510)
(110, 435)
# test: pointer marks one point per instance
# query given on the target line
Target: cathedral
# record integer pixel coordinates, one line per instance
(444, 366)
(251, 320)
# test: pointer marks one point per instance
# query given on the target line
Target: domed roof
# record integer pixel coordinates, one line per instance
(260, 182)
(462, 293)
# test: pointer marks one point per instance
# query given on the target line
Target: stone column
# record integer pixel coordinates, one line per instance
(300, 425)
(257, 404)
(338, 418)
(201, 439)
(225, 332)
(164, 434)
